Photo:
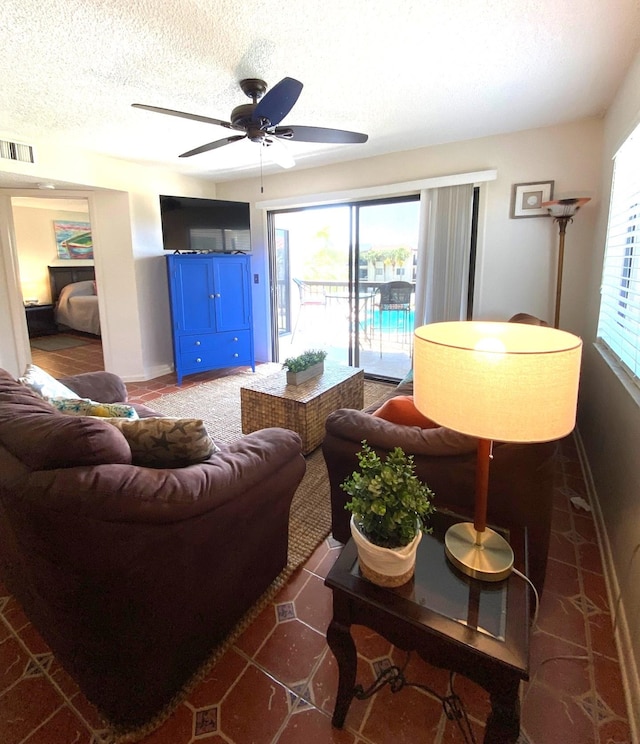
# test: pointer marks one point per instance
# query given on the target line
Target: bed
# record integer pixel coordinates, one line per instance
(73, 294)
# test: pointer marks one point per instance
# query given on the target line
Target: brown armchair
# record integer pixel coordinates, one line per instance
(521, 477)
(133, 574)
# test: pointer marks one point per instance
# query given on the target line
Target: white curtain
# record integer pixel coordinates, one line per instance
(444, 245)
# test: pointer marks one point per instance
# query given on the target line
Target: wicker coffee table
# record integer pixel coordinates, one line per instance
(302, 408)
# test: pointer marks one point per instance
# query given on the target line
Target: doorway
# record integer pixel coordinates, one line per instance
(333, 267)
(49, 232)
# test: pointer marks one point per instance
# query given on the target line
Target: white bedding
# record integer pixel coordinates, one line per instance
(77, 307)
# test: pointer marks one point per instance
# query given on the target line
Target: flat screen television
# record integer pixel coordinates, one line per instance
(205, 225)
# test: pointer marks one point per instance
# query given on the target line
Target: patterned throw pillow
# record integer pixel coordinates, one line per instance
(166, 442)
(44, 385)
(88, 407)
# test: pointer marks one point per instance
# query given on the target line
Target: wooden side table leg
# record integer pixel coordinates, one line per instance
(503, 724)
(344, 649)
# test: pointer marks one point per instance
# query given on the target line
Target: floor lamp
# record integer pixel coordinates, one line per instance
(509, 382)
(562, 211)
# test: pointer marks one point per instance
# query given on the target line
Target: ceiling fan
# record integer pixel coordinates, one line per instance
(259, 121)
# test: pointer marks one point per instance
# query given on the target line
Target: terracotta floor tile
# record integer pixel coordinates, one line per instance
(314, 604)
(589, 556)
(178, 729)
(602, 635)
(561, 548)
(270, 705)
(14, 615)
(32, 640)
(317, 556)
(406, 717)
(312, 727)
(327, 562)
(609, 684)
(256, 634)
(562, 578)
(64, 727)
(549, 666)
(614, 732)
(559, 617)
(415, 669)
(370, 644)
(219, 680)
(24, 706)
(550, 717)
(560, 520)
(295, 584)
(13, 662)
(291, 652)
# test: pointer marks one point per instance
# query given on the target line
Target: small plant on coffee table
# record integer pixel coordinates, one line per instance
(305, 360)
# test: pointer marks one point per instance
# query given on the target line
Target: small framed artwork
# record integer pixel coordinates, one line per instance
(527, 198)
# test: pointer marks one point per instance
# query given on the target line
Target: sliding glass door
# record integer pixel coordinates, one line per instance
(345, 278)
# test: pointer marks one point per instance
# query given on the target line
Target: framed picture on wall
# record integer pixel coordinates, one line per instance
(73, 239)
(527, 198)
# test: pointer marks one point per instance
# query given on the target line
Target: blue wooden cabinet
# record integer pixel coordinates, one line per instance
(211, 318)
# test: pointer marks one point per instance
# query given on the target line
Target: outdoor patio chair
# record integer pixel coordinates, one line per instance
(311, 295)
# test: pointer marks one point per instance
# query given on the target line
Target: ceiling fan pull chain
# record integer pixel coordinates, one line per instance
(261, 183)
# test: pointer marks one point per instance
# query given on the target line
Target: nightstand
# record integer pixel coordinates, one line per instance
(40, 320)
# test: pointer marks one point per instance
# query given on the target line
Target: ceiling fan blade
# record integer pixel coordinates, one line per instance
(183, 115)
(212, 145)
(278, 101)
(279, 152)
(320, 134)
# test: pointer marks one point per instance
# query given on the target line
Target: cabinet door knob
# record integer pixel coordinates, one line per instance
(235, 355)
(236, 338)
(197, 343)
(212, 296)
(217, 294)
(198, 360)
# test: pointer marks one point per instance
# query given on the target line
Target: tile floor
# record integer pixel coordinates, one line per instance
(277, 682)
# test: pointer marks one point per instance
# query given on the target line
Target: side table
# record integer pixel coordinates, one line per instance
(474, 628)
(40, 320)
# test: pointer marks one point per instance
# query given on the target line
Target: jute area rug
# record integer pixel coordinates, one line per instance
(217, 403)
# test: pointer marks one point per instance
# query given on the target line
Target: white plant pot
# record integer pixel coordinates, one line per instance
(385, 566)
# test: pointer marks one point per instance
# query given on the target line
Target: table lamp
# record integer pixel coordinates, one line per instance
(509, 382)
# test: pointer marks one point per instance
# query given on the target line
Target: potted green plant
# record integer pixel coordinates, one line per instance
(389, 505)
(304, 366)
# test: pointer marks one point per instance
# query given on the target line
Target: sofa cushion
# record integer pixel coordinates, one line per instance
(46, 441)
(401, 409)
(88, 407)
(43, 384)
(166, 442)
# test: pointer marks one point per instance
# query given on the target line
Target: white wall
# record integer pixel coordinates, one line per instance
(130, 264)
(609, 422)
(516, 268)
(37, 247)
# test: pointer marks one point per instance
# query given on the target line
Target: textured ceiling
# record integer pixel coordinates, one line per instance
(410, 73)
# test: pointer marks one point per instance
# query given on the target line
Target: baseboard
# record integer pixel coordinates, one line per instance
(150, 374)
(628, 666)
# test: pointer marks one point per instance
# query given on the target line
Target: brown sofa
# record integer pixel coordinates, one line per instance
(133, 574)
(521, 476)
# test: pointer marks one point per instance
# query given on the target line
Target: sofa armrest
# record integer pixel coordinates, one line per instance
(103, 387)
(352, 425)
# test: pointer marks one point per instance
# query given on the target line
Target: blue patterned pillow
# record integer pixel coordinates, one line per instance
(88, 407)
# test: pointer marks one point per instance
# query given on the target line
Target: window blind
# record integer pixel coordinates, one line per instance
(619, 320)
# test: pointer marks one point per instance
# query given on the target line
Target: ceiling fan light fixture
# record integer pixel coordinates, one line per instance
(259, 119)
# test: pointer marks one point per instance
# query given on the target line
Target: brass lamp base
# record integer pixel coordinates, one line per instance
(482, 555)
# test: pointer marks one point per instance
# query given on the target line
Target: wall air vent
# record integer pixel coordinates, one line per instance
(16, 151)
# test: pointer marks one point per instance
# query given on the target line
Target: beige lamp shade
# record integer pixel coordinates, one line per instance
(509, 382)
